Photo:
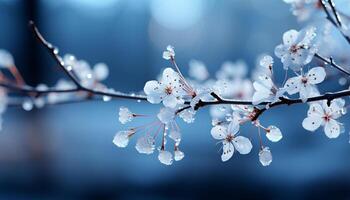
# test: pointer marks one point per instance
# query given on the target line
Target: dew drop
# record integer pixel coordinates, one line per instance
(138, 101)
(69, 68)
(55, 51)
(342, 81)
(106, 98)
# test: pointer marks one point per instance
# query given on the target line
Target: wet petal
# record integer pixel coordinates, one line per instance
(312, 123)
(316, 75)
(227, 151)
(274, 134)
(219, 132)
(290, 37)
(292, 85)
(242, 144)
(332, 129)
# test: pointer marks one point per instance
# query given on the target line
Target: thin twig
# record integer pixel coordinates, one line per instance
(337, 23)
(331, 62)
(54, 53)
(337, 17)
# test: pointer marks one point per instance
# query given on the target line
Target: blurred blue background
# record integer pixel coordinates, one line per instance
(66, 151)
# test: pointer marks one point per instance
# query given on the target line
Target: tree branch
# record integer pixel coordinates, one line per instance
(30, 91)
(337, 17)
(283, 101)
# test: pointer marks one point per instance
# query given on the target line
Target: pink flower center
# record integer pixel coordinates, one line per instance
(168, 90)
(304, 80)
(294, 48)
(327, 117)
(229, 138)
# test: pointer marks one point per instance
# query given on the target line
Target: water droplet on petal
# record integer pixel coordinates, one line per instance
(69, 68)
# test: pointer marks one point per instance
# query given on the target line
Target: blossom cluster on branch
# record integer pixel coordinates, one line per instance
(234, 98)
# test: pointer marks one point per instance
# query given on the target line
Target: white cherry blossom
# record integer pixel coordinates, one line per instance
(198, 70)
(188, 115)
(320, 114)
(230, 142)
(168, 90)
(178, 155)
(236, 88)
(265, 156)
(265, 90)
(166, 115)
(298, 48)
(145, 144)
(266, 62)
(305, 9)
(165, 157)
(305, 84)
(125, 115)
(121, 138)
(100, 71)
(232, 70)
(169, 53)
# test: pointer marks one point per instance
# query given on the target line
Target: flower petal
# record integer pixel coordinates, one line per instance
(312, 123)
(316, 75)
(170, 77)
(170, 101)
(227, 151)
(233, 127)
(293, 84)
(165, 157)
(332, 129)
(336, 108)
(242, 144)
(153, 91)
(315, 110)
(274, 134)
(290, 37)
(265, 156)
(219, 132)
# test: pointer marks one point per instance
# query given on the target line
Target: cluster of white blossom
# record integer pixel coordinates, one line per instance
(182, 96)
(235, 99)
(89, 77)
